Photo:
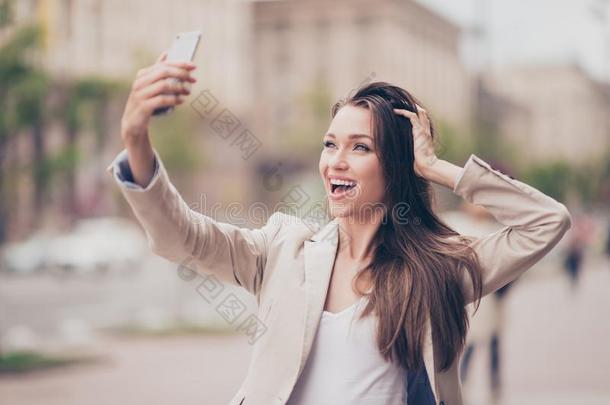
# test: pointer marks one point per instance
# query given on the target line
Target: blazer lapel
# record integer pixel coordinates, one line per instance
(319, 255)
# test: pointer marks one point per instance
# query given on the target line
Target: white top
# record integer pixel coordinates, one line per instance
(345, 366)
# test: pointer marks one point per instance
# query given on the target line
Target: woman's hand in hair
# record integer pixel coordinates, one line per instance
(425, 156)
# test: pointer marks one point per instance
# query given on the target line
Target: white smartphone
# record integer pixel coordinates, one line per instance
(183, 49)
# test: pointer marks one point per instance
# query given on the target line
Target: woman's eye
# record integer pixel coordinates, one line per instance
(360, 145)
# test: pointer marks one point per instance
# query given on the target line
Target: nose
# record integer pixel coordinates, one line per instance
(338, 160)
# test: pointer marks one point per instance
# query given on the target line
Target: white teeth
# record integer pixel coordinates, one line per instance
(338, 182)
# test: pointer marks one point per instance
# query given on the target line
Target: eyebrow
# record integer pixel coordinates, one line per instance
(351, 136)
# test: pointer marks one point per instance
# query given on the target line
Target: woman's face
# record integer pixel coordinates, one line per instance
(349, 154)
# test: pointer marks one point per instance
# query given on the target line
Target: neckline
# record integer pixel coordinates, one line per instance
(334, 314)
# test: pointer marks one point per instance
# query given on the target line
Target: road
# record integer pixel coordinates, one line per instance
(555, 349)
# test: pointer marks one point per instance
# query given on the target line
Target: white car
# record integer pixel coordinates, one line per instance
(92, 245)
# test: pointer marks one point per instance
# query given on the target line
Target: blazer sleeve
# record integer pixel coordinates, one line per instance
(533, 223)
(178, 233)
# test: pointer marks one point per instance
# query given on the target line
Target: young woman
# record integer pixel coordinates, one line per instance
(370, 308)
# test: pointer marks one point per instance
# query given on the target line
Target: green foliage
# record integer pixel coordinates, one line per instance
(303, 136)
(84, 98)
(20, 83)
(53, 165)
(65, 160)
(6, 13)
(174, 137)
(23, 361)
(17, 49)
(585, 181)
(29, 95)
(453, 145)
(552, 178)
(487, 142)
(558, 178)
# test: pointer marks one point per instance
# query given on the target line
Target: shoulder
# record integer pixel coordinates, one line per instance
(292, 227)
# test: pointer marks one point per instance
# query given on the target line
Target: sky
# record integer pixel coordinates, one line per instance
(533, 31)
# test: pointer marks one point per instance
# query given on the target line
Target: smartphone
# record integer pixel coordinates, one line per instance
(183, 49)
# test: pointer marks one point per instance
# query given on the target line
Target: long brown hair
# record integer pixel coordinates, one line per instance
(418, 261)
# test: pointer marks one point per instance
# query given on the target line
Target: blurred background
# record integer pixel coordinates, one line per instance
(89, 316)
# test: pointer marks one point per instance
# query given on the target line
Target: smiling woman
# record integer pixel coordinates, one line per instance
(374, 147)
(385, 248)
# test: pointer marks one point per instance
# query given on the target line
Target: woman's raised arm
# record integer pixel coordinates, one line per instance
(178, 233)
(151, 90)
(175, 231)
(533, 224)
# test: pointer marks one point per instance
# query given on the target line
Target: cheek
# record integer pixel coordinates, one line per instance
(375, 180)
(322, 166)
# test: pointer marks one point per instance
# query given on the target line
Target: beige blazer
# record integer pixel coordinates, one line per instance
(287, 265)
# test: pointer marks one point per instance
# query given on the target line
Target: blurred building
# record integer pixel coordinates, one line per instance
(265, 61)
(260, 57)
(550, 112)
(115, 38)
(299, 45)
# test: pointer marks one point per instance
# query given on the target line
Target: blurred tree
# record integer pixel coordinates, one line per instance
(604, 182)
(175, 137)
(22, 85)
(84, 103)
(552, 178)
(312, 112)
(30, 95)
(585, 181)
(453, 144)
(29, 99)
(488, 143)
(588, 182)
(6, 13)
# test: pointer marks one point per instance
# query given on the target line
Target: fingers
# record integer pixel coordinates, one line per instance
(405, 113)
(163, 100)
(419, 121)
(166, 86)
(421, 116)
(408, 114)
(420, 109)
(184, 65)
(180, 71)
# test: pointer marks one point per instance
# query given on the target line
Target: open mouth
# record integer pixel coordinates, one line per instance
(341, 188)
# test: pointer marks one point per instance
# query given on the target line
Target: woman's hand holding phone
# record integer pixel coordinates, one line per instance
(159, 85)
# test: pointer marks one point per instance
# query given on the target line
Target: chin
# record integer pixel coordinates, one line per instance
(339, 211)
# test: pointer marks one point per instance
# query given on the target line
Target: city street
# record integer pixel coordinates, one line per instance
(138, 139)
(546, 359)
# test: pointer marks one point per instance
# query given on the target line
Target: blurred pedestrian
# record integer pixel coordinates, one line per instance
(579, 239)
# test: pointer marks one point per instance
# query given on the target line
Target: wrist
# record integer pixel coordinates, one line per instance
(135, 142)
(441, 172)
(430, 168)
